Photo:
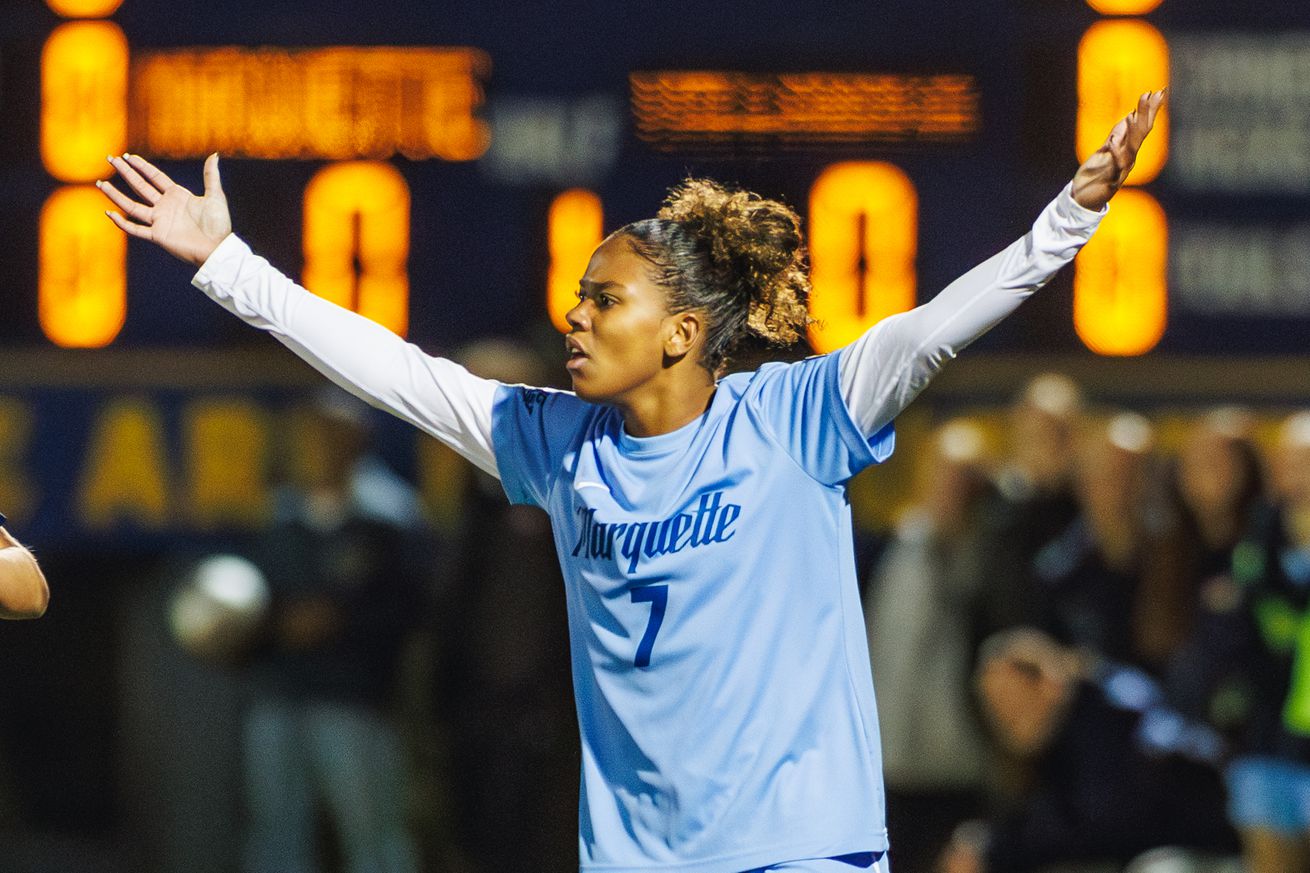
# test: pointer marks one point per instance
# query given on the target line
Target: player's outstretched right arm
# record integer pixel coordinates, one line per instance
(887, 367)
(435, 394)
(23, 589)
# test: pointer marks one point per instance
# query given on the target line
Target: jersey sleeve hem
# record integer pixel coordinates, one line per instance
(865, 452)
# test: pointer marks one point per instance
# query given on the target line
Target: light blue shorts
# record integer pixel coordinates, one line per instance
(1269, 793)
(864, 862)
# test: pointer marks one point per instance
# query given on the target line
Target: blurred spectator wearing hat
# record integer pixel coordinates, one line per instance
(344, 558)
(23, 589)
(923, 606)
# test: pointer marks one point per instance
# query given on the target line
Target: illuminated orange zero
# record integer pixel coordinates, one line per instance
(864, 236)
(574, 229)
(358, 213)
(1120, 292)
(82, 281)
(1118, 61)
(84, 8)
(1124, 7)
(83, 99)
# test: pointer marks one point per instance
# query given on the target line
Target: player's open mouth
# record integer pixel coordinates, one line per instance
(576, 355)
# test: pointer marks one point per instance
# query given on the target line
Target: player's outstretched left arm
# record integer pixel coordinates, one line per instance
(361, 356)
(23, 589)
(894, 360)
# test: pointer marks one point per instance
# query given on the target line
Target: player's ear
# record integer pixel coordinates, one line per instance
(682, 333)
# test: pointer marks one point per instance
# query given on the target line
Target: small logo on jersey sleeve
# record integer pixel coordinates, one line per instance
(632, 543)
(533, 399)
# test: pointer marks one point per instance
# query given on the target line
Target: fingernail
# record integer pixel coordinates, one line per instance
(97, 183)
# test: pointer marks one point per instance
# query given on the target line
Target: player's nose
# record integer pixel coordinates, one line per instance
(579, 317)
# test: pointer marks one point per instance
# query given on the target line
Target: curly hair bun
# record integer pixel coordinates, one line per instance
(756, 251)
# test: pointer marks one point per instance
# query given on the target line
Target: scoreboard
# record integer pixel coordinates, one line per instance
(455, 167)
(447, 171)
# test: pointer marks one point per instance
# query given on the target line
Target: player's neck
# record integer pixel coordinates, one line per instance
(663, 406)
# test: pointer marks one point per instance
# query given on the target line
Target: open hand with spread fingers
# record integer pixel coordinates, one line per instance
(1104, 172)
(182, 224)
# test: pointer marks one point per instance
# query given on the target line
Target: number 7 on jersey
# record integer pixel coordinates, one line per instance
(658, 598)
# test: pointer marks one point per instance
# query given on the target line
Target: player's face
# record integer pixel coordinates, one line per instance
(619, 326)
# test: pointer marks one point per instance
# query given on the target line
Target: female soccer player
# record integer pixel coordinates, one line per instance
(719, 658)
(23, 589)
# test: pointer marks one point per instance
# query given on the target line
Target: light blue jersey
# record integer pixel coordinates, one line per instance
(719, 655)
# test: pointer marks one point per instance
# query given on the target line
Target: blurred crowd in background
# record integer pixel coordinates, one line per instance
(1087, 646)
(1090, 639)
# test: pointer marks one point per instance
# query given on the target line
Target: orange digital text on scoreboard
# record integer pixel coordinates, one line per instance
(674, 109)
(331, 103)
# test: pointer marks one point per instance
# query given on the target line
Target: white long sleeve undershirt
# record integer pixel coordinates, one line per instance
(434, 394)
(881, 372)
(887, 367)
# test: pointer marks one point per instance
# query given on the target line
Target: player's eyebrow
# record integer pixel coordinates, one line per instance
(591, 287)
